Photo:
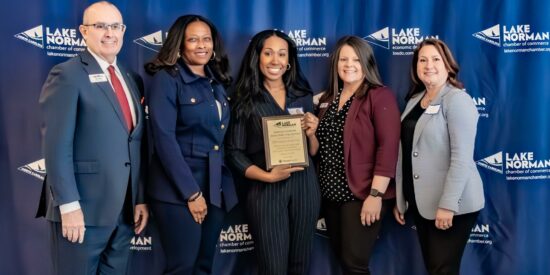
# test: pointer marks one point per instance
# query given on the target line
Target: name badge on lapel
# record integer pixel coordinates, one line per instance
(95, 78)
(433, 109)
(296, 111)
(323, 105)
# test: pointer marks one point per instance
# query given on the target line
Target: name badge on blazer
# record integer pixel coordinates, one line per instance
(296, 111)
(95, 78)
(323, 105)
(433, 109)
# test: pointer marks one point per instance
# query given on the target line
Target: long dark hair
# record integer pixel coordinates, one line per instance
(249, 85)
(174, 45)
(450, 64)
(368, 65)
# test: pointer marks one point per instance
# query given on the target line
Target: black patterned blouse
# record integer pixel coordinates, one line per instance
(332, 173)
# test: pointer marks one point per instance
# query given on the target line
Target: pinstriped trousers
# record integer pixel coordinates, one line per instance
(283, 217)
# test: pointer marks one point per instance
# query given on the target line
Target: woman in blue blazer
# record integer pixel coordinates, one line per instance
(437, 179)
(189, 113)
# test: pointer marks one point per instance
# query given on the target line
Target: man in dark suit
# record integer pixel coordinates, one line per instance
(92, 131)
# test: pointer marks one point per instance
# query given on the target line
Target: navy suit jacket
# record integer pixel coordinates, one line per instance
(188, 136)
(91, 157)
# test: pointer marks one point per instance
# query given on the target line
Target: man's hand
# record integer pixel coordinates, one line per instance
(141, 217)
(72, 225)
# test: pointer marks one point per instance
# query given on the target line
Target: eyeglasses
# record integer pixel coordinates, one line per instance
(105, 27)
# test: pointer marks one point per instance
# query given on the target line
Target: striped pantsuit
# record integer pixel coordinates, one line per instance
(283, 217)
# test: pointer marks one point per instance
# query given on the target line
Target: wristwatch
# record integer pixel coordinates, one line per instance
(375, 193)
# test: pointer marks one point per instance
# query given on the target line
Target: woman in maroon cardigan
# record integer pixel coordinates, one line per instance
(359, 140)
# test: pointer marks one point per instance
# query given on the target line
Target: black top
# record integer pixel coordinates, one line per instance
(332, 173)
(245, 142)
(407, 134)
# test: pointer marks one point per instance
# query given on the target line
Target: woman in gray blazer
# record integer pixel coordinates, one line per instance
(436, 177)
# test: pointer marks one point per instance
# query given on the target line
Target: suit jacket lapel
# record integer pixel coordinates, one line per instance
(425, 118)
(92, 67)
(225, 112)
(348, 127)
(410, 105)
(136, 97)
(219, 95)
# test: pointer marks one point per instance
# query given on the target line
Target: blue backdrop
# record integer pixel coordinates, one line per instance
(503, 48)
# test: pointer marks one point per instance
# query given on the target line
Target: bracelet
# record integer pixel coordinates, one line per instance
(196, 197)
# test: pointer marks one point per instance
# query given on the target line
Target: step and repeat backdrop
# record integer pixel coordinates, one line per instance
(502, 46)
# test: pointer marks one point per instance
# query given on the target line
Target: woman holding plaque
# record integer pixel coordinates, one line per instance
(283, 202)
(437, 179)
(359, 141)
(190, 188)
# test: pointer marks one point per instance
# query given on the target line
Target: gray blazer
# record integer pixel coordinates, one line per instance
(444, 171)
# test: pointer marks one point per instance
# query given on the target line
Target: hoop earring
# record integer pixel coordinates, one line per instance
(288, 67)
(213, 55)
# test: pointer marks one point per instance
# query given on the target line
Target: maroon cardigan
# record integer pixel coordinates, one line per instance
(371, 140)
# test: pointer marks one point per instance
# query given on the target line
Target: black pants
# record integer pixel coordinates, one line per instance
(352, 242)
(442, 249)
(283, 216)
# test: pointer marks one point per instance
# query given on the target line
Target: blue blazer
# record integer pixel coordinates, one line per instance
(444, 171)
(90, 155)
(188, 136)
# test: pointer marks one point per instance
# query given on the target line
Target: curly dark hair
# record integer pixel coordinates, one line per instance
(169, 53)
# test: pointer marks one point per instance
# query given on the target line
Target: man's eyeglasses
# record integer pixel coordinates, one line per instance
(105, 27)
